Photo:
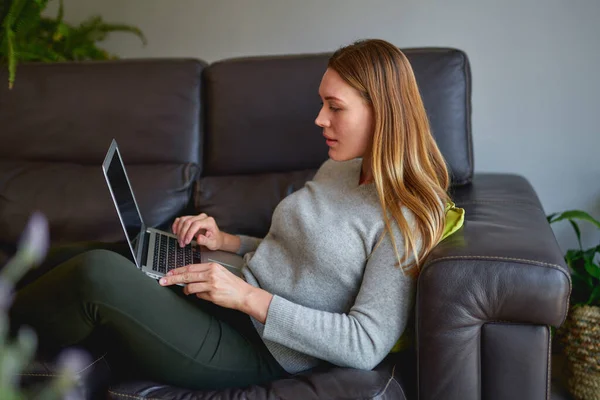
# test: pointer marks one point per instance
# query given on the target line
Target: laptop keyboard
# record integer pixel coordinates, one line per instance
(168, 255)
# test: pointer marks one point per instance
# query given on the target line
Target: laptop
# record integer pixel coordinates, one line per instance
(153, 251)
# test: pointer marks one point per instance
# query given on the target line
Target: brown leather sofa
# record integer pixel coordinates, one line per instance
(232, 139)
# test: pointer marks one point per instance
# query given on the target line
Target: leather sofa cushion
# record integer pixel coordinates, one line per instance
(275, 102)
(393, 379)
(244, 204)
(91, 381)
(69, 112)
(77, 202)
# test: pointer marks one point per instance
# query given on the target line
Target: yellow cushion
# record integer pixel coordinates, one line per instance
(455, 218)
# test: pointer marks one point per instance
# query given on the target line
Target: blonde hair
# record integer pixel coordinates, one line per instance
(407, 166)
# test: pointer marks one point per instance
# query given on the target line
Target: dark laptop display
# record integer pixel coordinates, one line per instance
(124, 199)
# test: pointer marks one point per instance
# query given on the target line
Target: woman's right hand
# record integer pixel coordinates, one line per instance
(203, 227)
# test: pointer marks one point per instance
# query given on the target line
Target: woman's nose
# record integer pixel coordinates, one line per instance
(321, 120)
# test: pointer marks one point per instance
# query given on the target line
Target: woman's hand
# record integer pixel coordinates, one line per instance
(214, 283)
(203, 227)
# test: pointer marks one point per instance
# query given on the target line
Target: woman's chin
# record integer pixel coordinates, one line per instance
(335, 155)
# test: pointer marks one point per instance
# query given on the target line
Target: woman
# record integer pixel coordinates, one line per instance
(332, 281)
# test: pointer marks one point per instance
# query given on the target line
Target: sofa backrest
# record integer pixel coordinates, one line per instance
(261, 142)
(256, 142)
(57, 123)
(260, 111)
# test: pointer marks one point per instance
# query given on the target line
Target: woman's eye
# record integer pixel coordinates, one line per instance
(332, 108)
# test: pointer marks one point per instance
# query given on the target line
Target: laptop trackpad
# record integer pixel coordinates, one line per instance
(231, 261)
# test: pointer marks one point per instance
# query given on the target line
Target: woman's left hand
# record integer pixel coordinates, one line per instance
(213, 282)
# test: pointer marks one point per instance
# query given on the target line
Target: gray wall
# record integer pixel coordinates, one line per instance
(535, 86)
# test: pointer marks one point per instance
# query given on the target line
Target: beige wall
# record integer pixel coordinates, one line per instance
(536, 108)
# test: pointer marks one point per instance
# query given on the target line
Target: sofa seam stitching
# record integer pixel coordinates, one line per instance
(532, 262)
(388, 383)
(400, 386)
(131, 396)
(89, 366)
(77, 373)
(458, 202)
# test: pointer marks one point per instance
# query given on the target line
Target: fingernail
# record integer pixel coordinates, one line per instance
(163, 281)
(170, 273)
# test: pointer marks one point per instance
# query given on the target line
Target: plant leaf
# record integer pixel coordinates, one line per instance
(577, 214)
(573, 259)
(61, 12)
(26, 35)
(591, 268)
(595, 297)
(12, 57)
(577, 232)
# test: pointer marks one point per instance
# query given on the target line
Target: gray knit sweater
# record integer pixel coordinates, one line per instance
(336, 297)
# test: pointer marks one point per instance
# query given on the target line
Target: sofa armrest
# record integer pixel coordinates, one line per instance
(503, 267)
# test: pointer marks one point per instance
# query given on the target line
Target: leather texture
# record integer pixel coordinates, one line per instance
(57, 124)
(515, 361)
(76, 200)
(244, 204)
(71, 111)
(504, 265)
(332, 383)
(486, 294)
(260, 111)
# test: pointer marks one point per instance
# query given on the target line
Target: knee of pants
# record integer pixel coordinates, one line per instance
(97, 270)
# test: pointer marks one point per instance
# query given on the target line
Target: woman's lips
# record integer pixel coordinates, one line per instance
(330, 142)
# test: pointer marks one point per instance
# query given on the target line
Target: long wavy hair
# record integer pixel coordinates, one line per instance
(407, 166)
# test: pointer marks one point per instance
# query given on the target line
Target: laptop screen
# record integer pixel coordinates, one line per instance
(123, 197)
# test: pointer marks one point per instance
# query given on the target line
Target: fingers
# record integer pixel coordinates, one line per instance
(184, 277)
(188, 226)
(189, 268)
(192, 273)
(180, 220)
(194, 227)
(196, 288)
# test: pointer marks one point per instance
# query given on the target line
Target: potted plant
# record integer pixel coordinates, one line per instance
(27, 35)
(580, 335)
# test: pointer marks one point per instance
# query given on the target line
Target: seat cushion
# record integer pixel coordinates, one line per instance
(91, 382)
(392, 379)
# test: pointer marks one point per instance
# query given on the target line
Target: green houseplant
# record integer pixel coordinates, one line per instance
(17, 352)
(27, 35)
(580, 335)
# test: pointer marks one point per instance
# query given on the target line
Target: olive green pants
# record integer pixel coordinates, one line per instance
(100, 299)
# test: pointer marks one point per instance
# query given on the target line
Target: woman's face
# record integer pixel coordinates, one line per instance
(346, 119)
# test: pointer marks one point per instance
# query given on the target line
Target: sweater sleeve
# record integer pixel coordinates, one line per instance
(248, 244)
(362, 337)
